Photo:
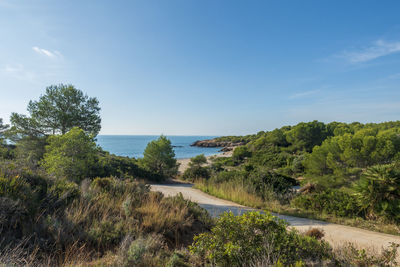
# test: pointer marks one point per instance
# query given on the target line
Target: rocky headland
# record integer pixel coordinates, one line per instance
(225, 145)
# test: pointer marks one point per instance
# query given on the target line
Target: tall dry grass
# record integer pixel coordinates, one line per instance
(236, 192)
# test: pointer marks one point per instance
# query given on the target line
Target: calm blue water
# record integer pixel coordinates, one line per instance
(134, 145)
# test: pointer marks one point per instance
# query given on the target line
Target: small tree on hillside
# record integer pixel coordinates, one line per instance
(70, 155)
(196, 169)
(159, 157)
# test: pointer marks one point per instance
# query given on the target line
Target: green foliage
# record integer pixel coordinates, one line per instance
(142, 246)
(15, 188)
(64, 191)
(30, 150)
(269, 184)
(307, 135)
(70, 155)
(112, 165)
(177, 260)
(366, 147)
(271, 156)
(333, 155)
(3, 128)
(159, 157)
(240, 153)
(379, 192)
(235, 139)
(253, 236)
(198, 160)
(196, 170)
(329, 201)
(60, 109)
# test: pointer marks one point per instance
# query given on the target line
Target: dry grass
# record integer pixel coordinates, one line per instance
(231, 191)
(157, 216)
(88, 230)
(317, 233)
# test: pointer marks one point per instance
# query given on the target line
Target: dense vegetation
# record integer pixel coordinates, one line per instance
(346, 170)
(65, 201)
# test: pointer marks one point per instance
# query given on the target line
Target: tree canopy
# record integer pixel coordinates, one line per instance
(3, 127)
(60, 109)
(196, 169)
(159, 157)
(70, 155)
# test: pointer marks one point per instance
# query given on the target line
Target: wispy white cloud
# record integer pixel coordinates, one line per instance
(303, 94)
(378, 49)
(47, 53)
(18, 71)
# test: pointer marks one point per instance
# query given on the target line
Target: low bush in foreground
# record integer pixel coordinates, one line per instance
(256, 238)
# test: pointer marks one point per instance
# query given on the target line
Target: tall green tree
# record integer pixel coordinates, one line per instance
(71, 155)
(60, 109)
(159, 157)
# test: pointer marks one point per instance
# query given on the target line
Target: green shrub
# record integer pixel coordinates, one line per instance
(240, 153)
(238, 240)
(143, 247)
(379, 192)
(264, 182)
(330, 201)
(63, 192)
(15, 188)
(177, 260)
(196, 170)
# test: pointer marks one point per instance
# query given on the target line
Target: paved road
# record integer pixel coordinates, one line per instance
(334, 233)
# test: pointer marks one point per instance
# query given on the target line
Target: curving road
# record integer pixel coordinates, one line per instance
(334, 233)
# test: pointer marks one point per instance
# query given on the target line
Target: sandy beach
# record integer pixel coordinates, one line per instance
(185, 162)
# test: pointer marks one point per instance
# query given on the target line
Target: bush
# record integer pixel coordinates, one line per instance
(240, 153)
(317, 233)
(143, 249)
(239, 240)
(379, 192)
(270, 185)
(196, 170)
(330, 201)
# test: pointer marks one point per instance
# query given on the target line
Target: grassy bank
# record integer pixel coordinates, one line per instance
(238, 193)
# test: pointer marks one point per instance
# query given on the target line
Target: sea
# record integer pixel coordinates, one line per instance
(134, 145)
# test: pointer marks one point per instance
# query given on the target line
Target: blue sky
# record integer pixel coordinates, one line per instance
(206, 67)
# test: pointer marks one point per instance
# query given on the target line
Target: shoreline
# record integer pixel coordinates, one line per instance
(184, 163)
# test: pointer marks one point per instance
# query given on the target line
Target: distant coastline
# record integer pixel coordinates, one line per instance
(134, 145)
